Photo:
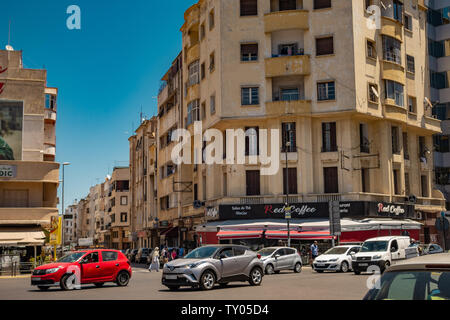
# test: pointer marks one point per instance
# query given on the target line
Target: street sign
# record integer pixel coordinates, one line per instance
(335, 218)
(287, 212)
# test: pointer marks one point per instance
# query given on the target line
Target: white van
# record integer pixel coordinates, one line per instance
(381, 252)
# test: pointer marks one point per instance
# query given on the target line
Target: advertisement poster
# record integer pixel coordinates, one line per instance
(55, 230)
(11, 125)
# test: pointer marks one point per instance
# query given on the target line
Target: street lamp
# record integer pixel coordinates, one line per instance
(63, 226)
(286, 206)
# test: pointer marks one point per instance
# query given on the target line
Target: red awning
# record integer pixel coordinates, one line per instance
(240, 234)
(305, 235)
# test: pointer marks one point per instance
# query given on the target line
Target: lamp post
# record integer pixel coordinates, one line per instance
(62, 209)
(287, 209)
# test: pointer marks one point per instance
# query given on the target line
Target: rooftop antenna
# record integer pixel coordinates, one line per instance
(8, 46)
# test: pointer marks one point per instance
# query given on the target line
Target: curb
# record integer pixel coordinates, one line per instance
(16, 277)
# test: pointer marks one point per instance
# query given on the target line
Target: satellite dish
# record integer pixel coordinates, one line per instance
(382, 4)
(9, 48)
(375, 92)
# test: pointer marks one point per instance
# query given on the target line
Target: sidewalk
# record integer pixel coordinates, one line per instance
(16, 277)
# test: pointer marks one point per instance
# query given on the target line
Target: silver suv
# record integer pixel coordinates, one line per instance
(208, 265)
(276, 259)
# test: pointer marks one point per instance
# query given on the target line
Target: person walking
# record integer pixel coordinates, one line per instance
(181, 252)
(314, 251)
(154, 265)
(174, 254)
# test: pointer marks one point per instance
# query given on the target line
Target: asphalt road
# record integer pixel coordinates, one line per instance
(145, 285)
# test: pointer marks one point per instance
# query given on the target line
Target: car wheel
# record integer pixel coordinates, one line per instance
(67, 281)
(122, 279)
(99, 284)
(43, 288)
(344, 266)
(207, 280)
(269, 269)
(173, 288)
(256, 276)
(298, 267)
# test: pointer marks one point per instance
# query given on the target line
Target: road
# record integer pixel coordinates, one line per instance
(144, 285)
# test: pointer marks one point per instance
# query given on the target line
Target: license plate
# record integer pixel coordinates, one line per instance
(38, 279)
(171, 277)
(320, 264)
(364, 264)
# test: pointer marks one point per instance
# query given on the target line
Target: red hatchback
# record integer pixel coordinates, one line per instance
(82, 267)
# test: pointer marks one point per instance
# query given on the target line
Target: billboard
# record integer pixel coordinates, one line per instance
(11, 125)
(55, 230)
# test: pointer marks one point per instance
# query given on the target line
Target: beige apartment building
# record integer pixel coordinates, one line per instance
(347, 97)
(29, 177)
(119, 208)
(143, 215)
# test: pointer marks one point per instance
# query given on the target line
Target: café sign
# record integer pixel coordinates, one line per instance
(8, 171)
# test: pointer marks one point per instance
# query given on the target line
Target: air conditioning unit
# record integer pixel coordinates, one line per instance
(419, 215)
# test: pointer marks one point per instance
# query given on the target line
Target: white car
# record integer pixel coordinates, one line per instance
(338, 258)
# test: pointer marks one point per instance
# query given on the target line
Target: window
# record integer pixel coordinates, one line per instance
(249, 52)
(113, 218)
(364, 142)
(252, 182)
(365, 180)
(326, 91)
(405, 146)
(392, 50)
(193, 73)
(109, 256)
(410, 67)
(202, 31)
(225, 185)
(251, 141)
(321, 4)
(398, 10)
(394, 91)
(123, 200)
(329, 137)
(289, 49)
(122, 185)
(408, 22)
(331, 184)
(441, 143)
(202, 71)
(442, 111)
(371, 49)
(396, 182)
(289, 94)
(424, 185)
(212, 104)
(212, 63)
(239, 251)
(164, 203)
(438, 80)
(412, 104)
(373, 93)
(193, 112)
(288, 135)
(250, 96)
(407, 190)
(50, 101)
(249, 8)
(211, 19)
(203, 113)
(123, 217)
(288, 5)
(91, 258)
(436, 48)
(422, 148)
(395, 142)
(324, 46)
(292, 181)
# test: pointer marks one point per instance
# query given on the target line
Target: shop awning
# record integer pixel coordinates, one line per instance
(240, 234)
(170, 231)
(22, 238)
(306, 235)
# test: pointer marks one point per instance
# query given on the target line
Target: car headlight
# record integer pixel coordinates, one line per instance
(193, 265)
(52, 270)
(376, 257)
(333, 260)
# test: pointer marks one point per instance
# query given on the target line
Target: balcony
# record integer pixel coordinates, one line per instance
(288, 66)
(392, 28)
(193, 53)
(285, 20)
(38, 215)
(49, 115)
(395, 112)
(193, 92)
(432, 124)
(393, 71)
(32, 171)
(292, 107)
(49, 150)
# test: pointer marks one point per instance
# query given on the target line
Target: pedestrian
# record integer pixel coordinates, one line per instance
(154, 265)
(164, 255)
(174, 254)
(314, 250)
(181, 252)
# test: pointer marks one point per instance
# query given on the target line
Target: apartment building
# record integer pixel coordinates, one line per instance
(119, 208)
(347, 96)
(29, 177)
(143, 216)
(69, 225)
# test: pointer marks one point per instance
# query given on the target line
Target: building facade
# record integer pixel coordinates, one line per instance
(345, 96)
(69, 225)
(29, 177)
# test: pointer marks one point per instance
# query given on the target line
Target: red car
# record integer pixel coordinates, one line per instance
(81, 267)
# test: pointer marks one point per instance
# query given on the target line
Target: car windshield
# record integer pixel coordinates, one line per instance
(412, 285)
(374, 246)
(266, 251)
(201, 253)
(337, 250)
(71, 257)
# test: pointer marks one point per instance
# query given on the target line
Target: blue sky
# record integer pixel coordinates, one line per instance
(105, 73)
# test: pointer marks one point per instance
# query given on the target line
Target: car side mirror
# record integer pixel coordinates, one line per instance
(352, 253)
(277, 256)
(393, 249)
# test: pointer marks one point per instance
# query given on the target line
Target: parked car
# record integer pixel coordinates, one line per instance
(142, 254)
(276, 259)
(132, 255)
(208, 265)
(432, 248)
(338, 258)
(82, 267)
(422, 278)
(381, 252)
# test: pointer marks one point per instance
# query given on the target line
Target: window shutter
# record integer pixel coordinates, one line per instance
(249, 7)
(324, 46)
(320, 4)
(288, 5)
(333, 136)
